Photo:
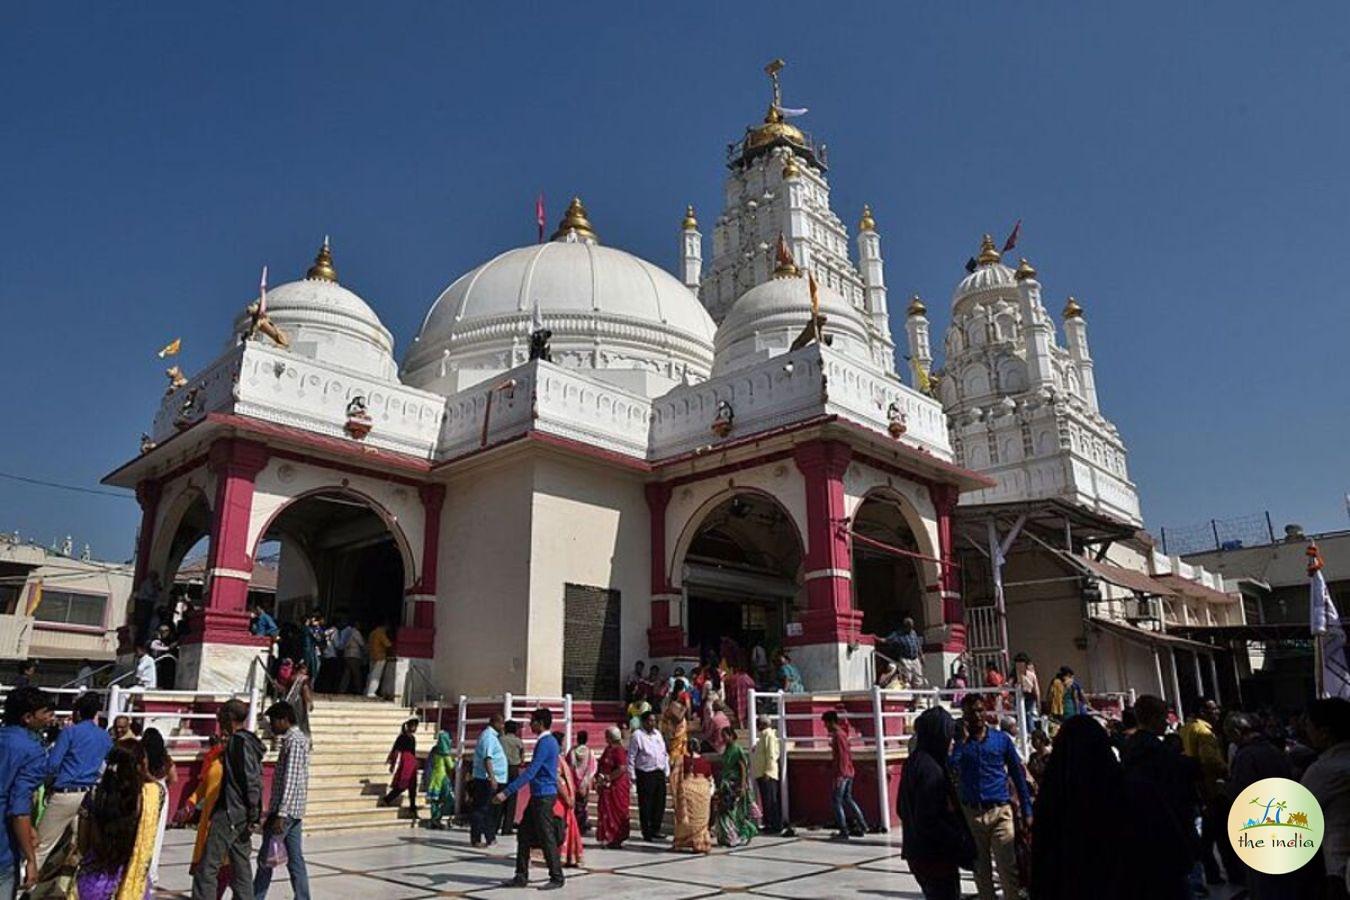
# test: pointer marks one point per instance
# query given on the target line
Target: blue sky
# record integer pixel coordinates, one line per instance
(1180, 168)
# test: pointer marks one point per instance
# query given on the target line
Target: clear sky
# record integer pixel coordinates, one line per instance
(1180, 168)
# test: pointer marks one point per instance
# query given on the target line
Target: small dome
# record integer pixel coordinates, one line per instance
(990, 274)
(328, 323)
(609, 311)
(767, 318)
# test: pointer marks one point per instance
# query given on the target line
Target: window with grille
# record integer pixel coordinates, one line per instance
(590, 642)
(71, 608)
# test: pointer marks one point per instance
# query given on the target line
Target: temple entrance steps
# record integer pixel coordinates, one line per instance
(350, 741)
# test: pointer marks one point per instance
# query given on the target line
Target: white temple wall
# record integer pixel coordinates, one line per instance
(590, 526)
(482, 591)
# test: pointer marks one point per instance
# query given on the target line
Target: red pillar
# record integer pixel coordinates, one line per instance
(416, 640)
(229, 564)
(944, 498)
(830, 616)
(663, 639)
(148, 493)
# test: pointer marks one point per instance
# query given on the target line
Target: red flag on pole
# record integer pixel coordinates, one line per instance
(1011, 242)
(539, 215)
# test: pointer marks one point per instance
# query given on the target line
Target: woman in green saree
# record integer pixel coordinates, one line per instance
(734, 824)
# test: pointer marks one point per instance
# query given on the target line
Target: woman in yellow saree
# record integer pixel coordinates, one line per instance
(693, 803)
(118, 830)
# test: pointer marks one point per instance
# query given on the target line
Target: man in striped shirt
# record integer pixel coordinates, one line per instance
(290, 789)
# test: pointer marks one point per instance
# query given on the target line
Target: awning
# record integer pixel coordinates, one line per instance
(1195, 590)
(1272, 631)
(1156, 639)
(1123, 577)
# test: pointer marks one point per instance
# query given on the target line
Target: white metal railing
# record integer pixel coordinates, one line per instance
(879, 742)
(512, 705)
(123, 702)
(61, 714)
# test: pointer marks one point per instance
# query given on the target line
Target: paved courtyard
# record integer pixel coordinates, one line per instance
(395, 864)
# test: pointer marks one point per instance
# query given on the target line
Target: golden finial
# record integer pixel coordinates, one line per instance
(867, 223)
(1024, 271)
(689, 223)
(988, 254)
(786, 268)
(574, 220)
(1072, 310)
(916, 307)
(790, 169)
(323, 269)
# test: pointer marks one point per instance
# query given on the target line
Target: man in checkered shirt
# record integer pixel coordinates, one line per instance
(290, 788)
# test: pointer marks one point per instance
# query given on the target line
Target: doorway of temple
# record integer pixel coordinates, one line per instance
(888, 585)
(741, 578)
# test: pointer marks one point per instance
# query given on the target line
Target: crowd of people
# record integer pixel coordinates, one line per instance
(1134, 807)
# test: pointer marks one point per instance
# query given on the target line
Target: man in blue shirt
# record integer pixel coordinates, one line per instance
(537, 826)
(23, 766)
(262, 623)
(489, 772)
(983, 761)
(73, 766)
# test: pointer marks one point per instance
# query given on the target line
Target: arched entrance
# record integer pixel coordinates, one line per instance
(888, 586)
(338, 556)
(741, 575)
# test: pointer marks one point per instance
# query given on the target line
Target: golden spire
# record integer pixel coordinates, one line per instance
(574, 220)
(1024, 271)
(916, 307)
(786, 267)
(790, 169)
(867, 223)
(689, 223)
(323, 269)
(1072, 310)
(988, 254)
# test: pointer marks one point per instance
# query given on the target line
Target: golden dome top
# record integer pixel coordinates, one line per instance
(916, 307)
(1072, 310)
(790, 168)
(574, 220)
(323, 269)
(1024, 271)
(988, 254)
(774, 129)
(867, 223)
(689, 223)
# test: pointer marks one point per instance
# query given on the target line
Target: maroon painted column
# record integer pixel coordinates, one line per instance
(663, 639)
(830, 616)
(417, 639)
(148, 493)
(229, 565)
(944, 498)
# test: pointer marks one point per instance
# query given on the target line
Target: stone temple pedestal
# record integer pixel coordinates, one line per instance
(218, 668)
(833, 666)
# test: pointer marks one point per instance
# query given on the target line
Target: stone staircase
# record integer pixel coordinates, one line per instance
(351, 737)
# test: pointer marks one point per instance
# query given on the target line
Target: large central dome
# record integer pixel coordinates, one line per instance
(629, 321)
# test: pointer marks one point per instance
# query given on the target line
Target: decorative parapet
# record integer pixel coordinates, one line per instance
(273, 385)
(547, 398)
(794, 387)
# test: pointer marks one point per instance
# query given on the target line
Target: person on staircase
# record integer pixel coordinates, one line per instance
(353, 658)
(379, 644)
(440, 780)
(402, 762)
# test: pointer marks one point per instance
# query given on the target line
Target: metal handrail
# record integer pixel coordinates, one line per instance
(74, 682)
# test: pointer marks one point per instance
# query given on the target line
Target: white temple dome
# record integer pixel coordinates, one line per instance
(990, 274)
(766, 319)
(629, 321)
(326, 322)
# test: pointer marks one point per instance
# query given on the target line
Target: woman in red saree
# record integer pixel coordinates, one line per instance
(613, 787)
(565, 808)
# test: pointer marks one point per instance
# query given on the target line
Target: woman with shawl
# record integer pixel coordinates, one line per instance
(675, 729)
(789, 677)
(440, 780)
(693, 802)
(735, 820)
(583, 762)
(402, 762)
(300, 695)
(613, 786)
(160, 768)
(564, 808)
(117, 830)
(715, 724)
(936, 840)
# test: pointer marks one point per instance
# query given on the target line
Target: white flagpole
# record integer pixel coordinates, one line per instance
(262, 293)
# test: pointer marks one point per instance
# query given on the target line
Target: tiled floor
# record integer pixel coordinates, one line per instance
(396, 864)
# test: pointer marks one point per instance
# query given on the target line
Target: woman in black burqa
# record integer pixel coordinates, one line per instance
(937, 842)
(1094, 825)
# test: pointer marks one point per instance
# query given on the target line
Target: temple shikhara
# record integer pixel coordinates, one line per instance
(583, 460)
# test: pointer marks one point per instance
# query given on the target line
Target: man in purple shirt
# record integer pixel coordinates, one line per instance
(648, 765)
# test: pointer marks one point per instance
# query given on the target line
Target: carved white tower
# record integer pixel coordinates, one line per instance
(920, 350)
(1022, 409)
(691, 251)
(777, 185)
